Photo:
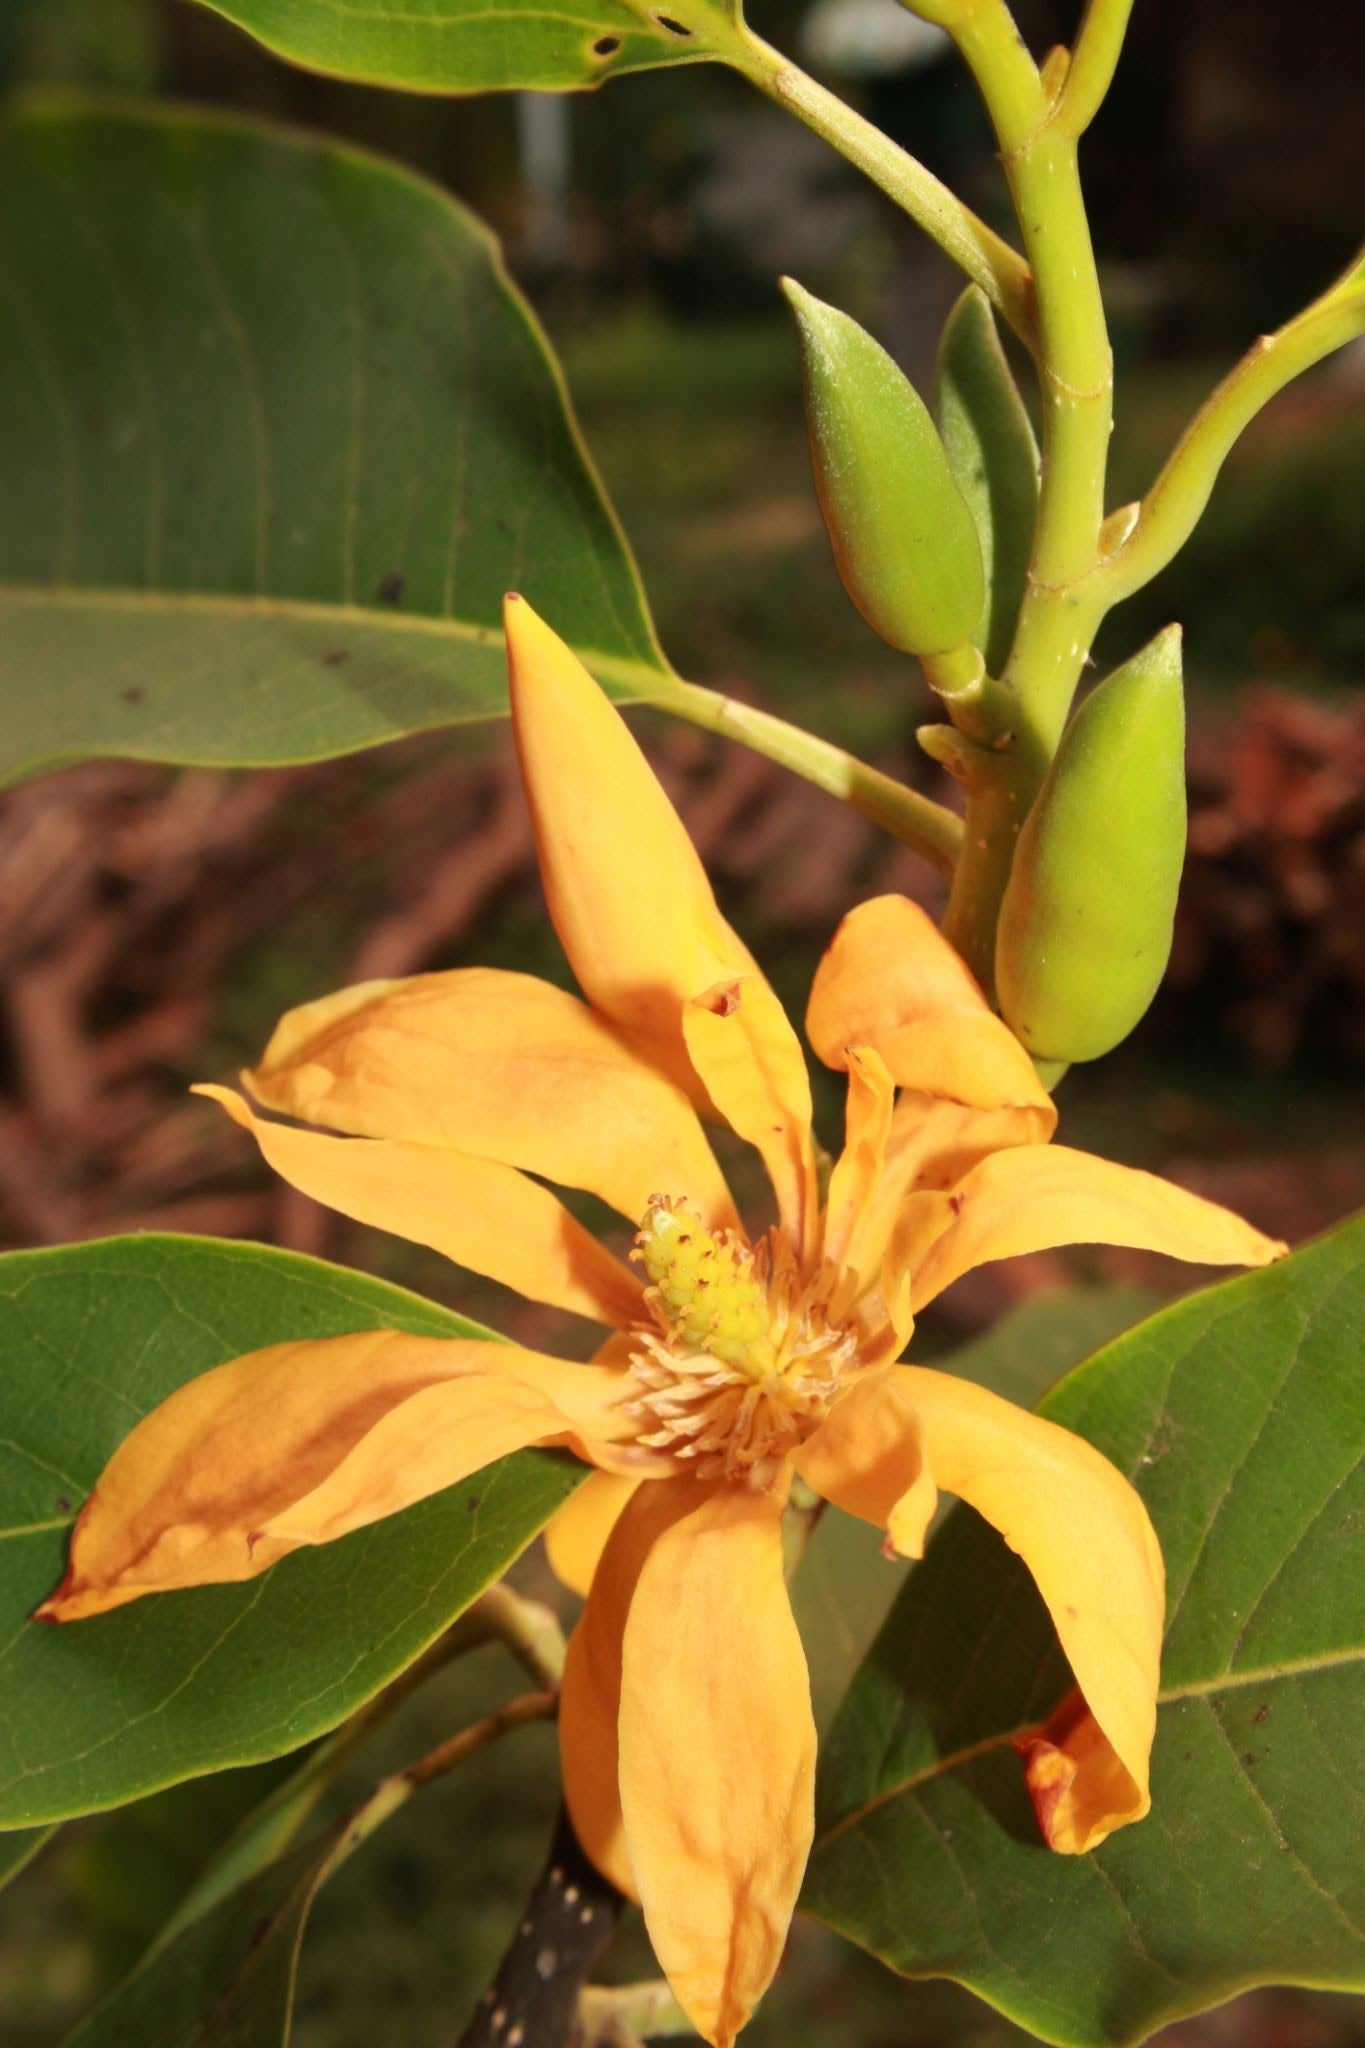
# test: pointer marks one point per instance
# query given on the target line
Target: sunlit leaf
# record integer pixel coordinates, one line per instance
(100, 1712)
(279, 432)
(1238, 1414)
(469, 46)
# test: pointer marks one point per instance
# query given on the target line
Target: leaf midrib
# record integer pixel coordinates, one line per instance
(650, 681)
(1226, 1681)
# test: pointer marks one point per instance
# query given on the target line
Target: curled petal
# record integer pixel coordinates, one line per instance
(1086, 1538)
(501, 1065)
(577, 1533)
(482, 1215)
(626, 890)
(858, 1171)
(1038, 1196)
(717, 1756)
(750, 1062)
(868, 1457)
(891, 980)
(303, 1442)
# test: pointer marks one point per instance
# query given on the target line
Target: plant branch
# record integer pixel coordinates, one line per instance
(622, 2015)
(457, 1749)
(565, 1926)
(918, 821)
(1094, 60)
(1172, 507)
(528, 1628)
(1075, 369)
(975, 248)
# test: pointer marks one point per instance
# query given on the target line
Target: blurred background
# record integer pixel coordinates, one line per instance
(154, 924)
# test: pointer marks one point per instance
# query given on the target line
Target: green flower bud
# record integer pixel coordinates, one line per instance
(1085, 927)
(902, 533)
(993, 456)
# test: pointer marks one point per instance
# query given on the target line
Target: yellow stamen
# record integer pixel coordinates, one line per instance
(744, 1358)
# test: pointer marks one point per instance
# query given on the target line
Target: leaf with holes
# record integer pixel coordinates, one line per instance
(470, 46)
(279, 432)
(104, 1711)
(1238, 1414)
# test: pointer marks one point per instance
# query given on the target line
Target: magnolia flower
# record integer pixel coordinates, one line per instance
(738, 1361)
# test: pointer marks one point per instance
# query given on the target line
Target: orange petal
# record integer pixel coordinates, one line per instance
(891, 980)
(577, 1534)
(590, 1699)
(1038, 1196)
(1086, 1538)
(857, 1173)
(750, 1062)
(717, 1753)
(868, 1457)
(302, 1443)
(627, 892)
(482, 1215)
(501, 1065)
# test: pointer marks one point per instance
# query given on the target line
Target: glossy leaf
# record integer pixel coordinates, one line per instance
(467, 46)
(1238, 1415)
(100, 1712)
(993, 457)
(843, 1587)
(279, 432)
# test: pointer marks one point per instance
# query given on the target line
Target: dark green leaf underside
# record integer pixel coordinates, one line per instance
(229, 1979)
(279, 433)
(104, 1711)
(1239, 1416)
(472, 46)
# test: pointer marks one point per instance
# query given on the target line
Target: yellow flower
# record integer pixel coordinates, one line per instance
(429, 1104)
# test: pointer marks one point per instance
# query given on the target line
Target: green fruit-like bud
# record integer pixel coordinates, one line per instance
(993, 457)
(902, 533)
(1085, 927)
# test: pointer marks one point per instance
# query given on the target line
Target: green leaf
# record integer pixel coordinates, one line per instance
(842, 1589)
(468, 46)
(994, 459)
(1238, 1414)
(100, 1712)
(130, 1869)
(279, 432)
(230, 1977)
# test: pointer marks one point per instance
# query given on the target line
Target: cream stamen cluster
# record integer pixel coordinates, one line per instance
(743, 1358)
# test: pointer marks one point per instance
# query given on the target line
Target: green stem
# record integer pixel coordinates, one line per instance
(1172, 507)
(1075, 367)
(1099, 41)
(926, 826)
(978, 250)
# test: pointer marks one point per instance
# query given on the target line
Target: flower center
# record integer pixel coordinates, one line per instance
(742, 1358)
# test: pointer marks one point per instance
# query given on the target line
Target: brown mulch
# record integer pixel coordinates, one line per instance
(138, 903)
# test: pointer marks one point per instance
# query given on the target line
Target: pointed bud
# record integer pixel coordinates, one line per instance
(1085, 927)
(903, 536)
